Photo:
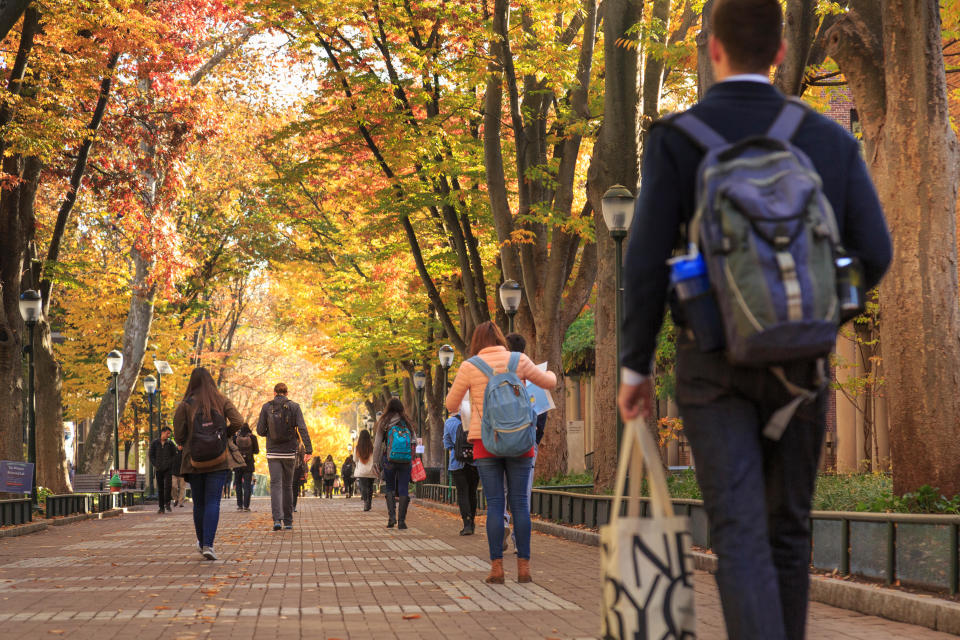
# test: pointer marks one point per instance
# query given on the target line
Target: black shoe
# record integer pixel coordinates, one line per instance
(169, 510)
(288, 527)
(277, 525)
(160, 510)
(391, 509)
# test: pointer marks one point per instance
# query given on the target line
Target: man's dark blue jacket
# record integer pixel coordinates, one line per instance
(735, 110)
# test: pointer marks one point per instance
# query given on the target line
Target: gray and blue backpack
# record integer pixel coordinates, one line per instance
(770, 241)
(508, 427)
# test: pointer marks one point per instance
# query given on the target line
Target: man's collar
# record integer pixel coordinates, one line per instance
(747, 77)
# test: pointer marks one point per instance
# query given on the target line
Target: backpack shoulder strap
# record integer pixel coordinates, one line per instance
(788, 120)
(514, 362)
(479, 363)
(697, 130)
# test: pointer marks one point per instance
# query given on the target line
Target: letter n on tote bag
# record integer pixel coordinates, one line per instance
(646, 565)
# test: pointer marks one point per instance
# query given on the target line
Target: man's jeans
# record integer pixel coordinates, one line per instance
(756, 491)
(466, 480)
(164, 485)
(281, 488)
(517, 472)
(243, 482)
(207, 488)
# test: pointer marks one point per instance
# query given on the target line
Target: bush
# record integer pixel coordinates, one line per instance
(571, 478)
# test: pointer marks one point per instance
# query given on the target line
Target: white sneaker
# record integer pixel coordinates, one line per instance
(208, 553)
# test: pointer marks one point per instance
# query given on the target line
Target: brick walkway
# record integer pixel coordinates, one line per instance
(339, 574)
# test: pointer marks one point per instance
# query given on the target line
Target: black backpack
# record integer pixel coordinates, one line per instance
(208, 439)
(282, 427)
(462, 448)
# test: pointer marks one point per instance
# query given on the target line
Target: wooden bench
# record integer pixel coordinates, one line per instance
(89, 483)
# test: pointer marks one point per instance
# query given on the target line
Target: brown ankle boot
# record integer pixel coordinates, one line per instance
(523, 570)
(496, 572)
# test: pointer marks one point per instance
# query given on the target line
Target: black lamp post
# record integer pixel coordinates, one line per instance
(163, 369)
(31, 311)
(150, 387)
(446, 354)
(114, 364)
(419, 382)
(510, 294)
(617, 205)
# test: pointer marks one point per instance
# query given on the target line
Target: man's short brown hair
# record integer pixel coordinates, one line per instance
(280, 389)
(750, 32)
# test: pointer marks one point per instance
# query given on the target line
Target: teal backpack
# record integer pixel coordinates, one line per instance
(508, 428)
(399, 443)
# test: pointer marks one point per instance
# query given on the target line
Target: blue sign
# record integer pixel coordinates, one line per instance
(16, 477)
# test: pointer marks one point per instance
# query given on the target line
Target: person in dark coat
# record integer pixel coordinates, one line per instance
(757, 491)
(163, 454)
(248, 446)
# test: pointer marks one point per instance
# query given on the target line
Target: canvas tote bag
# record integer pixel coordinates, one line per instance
(647, 571)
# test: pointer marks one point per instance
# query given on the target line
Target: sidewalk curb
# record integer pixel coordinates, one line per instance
(899, 606)
(59, 522)
(23, 529)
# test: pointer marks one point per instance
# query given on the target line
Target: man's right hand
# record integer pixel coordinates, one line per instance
(636, 400)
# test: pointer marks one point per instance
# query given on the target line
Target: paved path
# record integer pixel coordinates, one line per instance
(339, 574)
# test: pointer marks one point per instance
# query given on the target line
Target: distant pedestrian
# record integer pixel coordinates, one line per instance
(281, 421)
(300, 472)
(346, 473)
(465, 477)
(491, 356)
(163, 454)
(329, 475)
(248, 446)
(393, 450)
(315, 465)
(363, 469)
(179, 488)
(204, 421)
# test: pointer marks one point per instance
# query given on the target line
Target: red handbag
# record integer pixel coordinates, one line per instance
(417, 472)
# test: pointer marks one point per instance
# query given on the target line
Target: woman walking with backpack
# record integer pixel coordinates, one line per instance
(243, 477)
(363, 470)
(204, 421)
(393, 454)
(329, 475)
(491, 359)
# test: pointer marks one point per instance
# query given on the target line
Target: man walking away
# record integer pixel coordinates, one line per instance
(248, 445)
(299, 475)
(465, 477)
(315, 465)
(329, 475)
(281, 423)
(163, 453)
(179, 483)
(763, 223)
(346, 472)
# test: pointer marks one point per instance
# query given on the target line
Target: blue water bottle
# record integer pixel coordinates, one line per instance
(691, 284)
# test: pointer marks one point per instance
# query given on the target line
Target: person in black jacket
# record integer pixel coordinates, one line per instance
(281, 422)
(346, 473)
(163, 454)
(248, 446)
(757, 491)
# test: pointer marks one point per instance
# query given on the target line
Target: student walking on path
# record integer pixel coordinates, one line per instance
(204, 421)
(281, 422)
(393, 450)
(489, 349)
(756, 470)
(179, 485)
(315, 465)
(465, 477)
(346, 473)
(163, 455)
(329, 475)
(363, 470)
(248, 446)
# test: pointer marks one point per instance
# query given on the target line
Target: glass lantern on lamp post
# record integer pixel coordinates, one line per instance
(617, 205)
(510, 295)
(31, 312)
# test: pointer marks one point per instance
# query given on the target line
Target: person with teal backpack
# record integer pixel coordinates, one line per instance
(393, 452)
(503, 433)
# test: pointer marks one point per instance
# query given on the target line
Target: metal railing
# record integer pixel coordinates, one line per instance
(913, 549)
(16, 511)
(65, 504)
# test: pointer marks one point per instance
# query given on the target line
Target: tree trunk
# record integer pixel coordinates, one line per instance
(705, 77)
(614, 161)
(899, 84)
(51, 453)
(98, 449)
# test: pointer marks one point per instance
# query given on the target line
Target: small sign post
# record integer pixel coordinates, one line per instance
(16, 477)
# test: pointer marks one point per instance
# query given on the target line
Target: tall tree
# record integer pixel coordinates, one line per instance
(891, 52)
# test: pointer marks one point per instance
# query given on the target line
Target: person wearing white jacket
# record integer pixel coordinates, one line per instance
(363, 468)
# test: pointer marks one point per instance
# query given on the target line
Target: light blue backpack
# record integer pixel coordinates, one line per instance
(508, 428)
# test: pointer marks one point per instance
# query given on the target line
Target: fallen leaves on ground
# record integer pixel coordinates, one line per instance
(411, 616)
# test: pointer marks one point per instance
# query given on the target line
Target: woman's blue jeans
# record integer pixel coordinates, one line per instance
(396, 475)
(517, 472)
(207, 489)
